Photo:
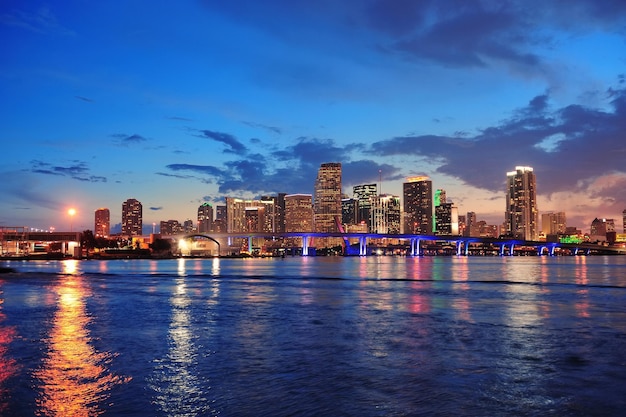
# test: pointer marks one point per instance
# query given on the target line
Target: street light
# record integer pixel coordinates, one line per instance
(71, 212)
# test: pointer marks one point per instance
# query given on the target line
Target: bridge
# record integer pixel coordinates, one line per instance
(361, 243)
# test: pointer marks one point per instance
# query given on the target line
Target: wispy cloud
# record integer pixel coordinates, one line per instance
(234, 146)
(78, 171)
(125, 140)
(272, 129)
(86, 99)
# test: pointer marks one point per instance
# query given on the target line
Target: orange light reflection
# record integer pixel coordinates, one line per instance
(8, 366)
(74, 377)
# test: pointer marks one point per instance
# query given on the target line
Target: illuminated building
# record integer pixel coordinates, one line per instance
(470, 225)
(298, 213)
(250, 215)
(600, 227)
(418, 205)
(385, 214)
(521, 218)
(220, 225)
(327, 197)
(349, 208)
(102, 225)
(132, 218)
(170, 227)
(363, 195)
(205, 218)
(553, 223)
(462, 225)
(624, 221)
(447, 219)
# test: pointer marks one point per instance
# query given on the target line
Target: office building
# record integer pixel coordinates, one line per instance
(624, 221)
(349, 208)
(553, 223)
(600, 227)
(363, 195)
(220, 224)
(132, 218)
(327, 198)
(298, 213)
(205, 218)
(447, 220)
(471, 227)
(418, 206)
(171, 227)
(250, 215)
(385, 214)
(521, 217)
(102, 224)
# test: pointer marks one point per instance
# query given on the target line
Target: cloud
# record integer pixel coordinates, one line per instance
(585, 144)
(272, 129)
(77, 171)
(88, 100)
(225, 138)
(180, 119)
(156, 208)
(125, 140)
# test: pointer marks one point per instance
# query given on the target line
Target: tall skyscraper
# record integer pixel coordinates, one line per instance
(250, 215)
(418, 206)
(349, 208)
(327, 197)
(624, 221)
(471, 221)
(132, 218)
(102, 224)
(522, 216)
(205, 218)
(220, 225)
(363, 195)
(385, 214)
(447, 220)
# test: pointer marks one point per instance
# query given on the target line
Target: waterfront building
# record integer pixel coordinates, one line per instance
(447, 219)
(385, 214)
(462, 225)
(220, 224)
(363, 194)
(132, 218)
(327, 198)
(170, 227)
(349, 208)
(188, 226)
(521, 217)
(418, 205)
(102, 224)
(624, 221)
(279, 211)
(250, 215)
(599, 228)
(205, 218)
(553, 223)
(470, 225)
(298, 213)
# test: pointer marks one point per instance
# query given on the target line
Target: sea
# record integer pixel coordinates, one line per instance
(315, 336)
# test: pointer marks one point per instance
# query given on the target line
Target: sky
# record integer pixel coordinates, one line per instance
(177, 104)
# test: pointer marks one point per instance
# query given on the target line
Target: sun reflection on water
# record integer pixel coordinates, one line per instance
(74, 379)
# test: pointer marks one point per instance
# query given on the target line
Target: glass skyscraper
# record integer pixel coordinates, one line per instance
(102, 222)
(327, 198)
(522, 216)
(418, 206)
(132, 218)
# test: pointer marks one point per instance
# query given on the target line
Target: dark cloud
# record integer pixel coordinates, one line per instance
(88, 100)
(201, 169)
(272, 129)
(125, 140)
(567, 147)
(225, 138)
(368, 171)
(77, 171)
(156, 208)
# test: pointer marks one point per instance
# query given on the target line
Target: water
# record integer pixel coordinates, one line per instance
(376, 336)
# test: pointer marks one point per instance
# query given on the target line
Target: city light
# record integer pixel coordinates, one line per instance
(71, 212)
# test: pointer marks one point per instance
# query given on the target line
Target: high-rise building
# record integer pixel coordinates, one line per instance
(600, 227)
(553, 223)
(385, 214)
(418, 206)
(363, 195)
(132, 218)
(447, 219)
(250, 215)
(349, 208)
(522, 217)
(298, 213)
(102, 224)
(171, 227)
(471, 229)
(205, 218)
(624, 221)
(327, 197)
(220, 225)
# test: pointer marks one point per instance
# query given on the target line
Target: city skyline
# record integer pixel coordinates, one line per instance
(177, 106)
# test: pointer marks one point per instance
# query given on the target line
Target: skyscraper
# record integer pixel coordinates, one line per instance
(205, 218)
(447, 219)
(327, 197)
(363, 194)
(418, 206)
(132, 218)
(298, 213)
(102, 224)
(521, 218)
(624, 221)
(553, 223)
(385, 214)
(250, 215)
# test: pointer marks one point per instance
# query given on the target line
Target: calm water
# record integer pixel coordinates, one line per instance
(376, 336)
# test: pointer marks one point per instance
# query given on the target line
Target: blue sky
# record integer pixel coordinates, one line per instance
(178, 104)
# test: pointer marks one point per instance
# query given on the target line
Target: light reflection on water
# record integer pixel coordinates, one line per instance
(8, 365)
(74, 379)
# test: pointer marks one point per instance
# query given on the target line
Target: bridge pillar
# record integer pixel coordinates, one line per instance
(540, 250)
(511, 249)
(363, 246)
(305, 246)
(250, 245)
(467, 243)
(459, 245)
(502, 249)
(415, 247)
(552, 250)
(575, 251)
